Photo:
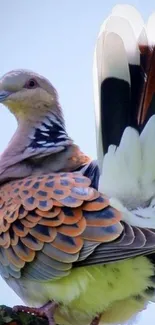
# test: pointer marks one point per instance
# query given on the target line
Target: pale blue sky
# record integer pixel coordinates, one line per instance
(56, 38)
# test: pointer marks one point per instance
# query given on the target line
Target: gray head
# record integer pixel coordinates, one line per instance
(27, 93)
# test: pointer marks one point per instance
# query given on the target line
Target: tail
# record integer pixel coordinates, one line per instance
(124, 77)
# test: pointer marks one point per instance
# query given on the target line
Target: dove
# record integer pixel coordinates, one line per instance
(77, 236)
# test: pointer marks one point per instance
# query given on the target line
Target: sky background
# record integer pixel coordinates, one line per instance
(56, 38)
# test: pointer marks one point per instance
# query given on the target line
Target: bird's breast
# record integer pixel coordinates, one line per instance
(87, 291)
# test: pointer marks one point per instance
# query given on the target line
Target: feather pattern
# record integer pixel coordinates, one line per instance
(49, 218)
(54, 222)
(127, 73)
(57, 221)
(134, 241)
(50, 133)
(125, 120)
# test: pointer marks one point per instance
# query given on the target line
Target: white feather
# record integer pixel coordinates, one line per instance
(132, 15)
(97, 80)
(147, 139)
(128, 176)
(119, 49)
(151, 28)
(114, 58)
(121, 167)
(140, 217)
(123, 28)
(127, 171)
(109, 63)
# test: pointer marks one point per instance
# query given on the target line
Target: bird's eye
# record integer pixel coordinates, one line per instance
(31, 84)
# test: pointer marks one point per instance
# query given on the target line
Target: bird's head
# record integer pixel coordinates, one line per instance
(27, 94)
(41, 139)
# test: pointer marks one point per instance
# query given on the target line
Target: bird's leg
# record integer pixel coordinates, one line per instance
(46, 310)
(96, 320)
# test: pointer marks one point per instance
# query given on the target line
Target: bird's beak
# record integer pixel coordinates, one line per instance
(3, 95)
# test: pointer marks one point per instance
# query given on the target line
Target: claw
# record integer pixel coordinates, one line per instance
(96, 320)
(46, 310)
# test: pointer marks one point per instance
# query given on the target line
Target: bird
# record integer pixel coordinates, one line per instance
(77, 236)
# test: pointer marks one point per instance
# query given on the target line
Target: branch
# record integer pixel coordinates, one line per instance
(9, 317)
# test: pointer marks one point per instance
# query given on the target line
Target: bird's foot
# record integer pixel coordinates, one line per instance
(46, 310)
(96, 320)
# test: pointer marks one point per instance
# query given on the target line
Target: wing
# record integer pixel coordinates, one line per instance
(133, 242)
(53, 222)
(45, 221)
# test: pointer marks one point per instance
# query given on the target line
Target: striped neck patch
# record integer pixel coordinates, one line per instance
(50, 133)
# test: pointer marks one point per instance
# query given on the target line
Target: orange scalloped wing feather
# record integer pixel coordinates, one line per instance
(49, 218)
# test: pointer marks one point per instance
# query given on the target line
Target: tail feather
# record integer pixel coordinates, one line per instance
(128, 171)
(147, 139)
(124, 75)
(114, 92)
(150, 27)
(122, 168)
(132, 15)
(147, 107)
(122, 27)
(124, 83)
(116, 103)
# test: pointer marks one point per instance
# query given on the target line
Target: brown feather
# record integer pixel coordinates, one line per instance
(148, 89)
